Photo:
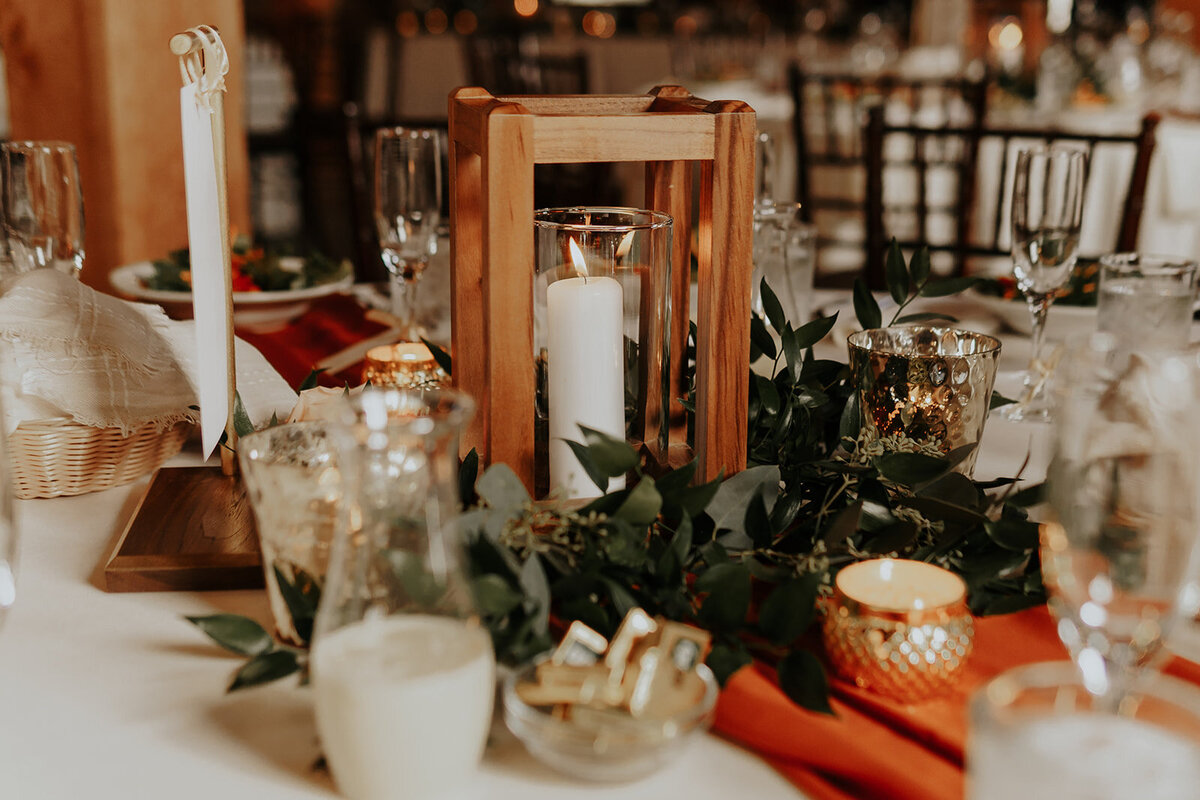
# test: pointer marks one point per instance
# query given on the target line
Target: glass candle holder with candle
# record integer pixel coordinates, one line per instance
(602, 301)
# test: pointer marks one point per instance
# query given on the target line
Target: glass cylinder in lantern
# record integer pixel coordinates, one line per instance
(602, 305)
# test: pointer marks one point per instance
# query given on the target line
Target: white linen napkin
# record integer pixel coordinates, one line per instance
(69, 351)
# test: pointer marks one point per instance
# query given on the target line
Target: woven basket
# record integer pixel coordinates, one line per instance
(56, 457)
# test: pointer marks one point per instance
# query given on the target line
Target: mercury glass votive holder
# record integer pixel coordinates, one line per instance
(406, 365)
(899, 628)
(924, 382)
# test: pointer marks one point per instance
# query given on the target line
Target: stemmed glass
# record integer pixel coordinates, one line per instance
(43, 205)
(1123, 487)
(408, 207)
(1047, 212)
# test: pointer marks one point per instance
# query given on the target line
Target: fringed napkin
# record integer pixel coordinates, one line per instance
(69, 351)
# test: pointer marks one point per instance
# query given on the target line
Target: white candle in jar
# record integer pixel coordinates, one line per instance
(893, 584)
(585, 373)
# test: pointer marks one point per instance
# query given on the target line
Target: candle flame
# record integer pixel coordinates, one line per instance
(625, 246)
(577, 259)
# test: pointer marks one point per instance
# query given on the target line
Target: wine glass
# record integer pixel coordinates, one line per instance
(408, 207)
(1047, 212)
(43, 205)
(1123, 487)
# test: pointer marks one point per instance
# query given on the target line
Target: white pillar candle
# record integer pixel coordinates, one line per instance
(585, 369)
(894, 584)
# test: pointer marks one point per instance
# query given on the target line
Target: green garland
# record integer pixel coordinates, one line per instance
(746, 557)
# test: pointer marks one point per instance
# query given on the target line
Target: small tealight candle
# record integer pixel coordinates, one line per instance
(900, 585)
(407, 365)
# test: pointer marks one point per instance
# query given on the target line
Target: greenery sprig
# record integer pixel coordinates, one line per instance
(747, 557)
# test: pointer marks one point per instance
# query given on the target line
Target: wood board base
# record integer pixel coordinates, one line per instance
(192, 531)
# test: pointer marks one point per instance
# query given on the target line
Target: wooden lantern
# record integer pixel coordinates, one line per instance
(494, 144)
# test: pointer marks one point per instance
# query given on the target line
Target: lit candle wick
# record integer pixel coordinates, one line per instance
(577, 260)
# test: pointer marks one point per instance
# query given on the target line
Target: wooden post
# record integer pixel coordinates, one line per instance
(494, 144)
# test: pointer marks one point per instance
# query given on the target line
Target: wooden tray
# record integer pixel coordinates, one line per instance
(192, 531)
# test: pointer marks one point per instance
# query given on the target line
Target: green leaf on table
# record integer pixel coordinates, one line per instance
(584, 455)
(728, 506)
(241, 420)
(772, 306)
(865, 308)
(642, 505)
(943, 287)
(999, 400)
(728, 588)
(265, 668)
(788, 610)
(235, 633)
(910, 469)
(918, 266)
(896, 273)
(810, 333)
(494, 596)
(440, 356)
(924, 316)
(724, 660)
(468, 473)
(802, 678)
(311, 381)
(761, 338)
(501, 489)
(612, 456)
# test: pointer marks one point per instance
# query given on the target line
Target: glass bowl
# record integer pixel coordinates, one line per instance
(605, 745)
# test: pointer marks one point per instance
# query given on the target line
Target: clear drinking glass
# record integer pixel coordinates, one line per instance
(785, 253)
(408, 210)
(43, 205)
(1036, 732)
(1119, 555)
(402, 670)
(1146, 300)
(1047, 212)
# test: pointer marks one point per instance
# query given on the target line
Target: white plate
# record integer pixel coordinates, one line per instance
(1062, 321)
(256, 312)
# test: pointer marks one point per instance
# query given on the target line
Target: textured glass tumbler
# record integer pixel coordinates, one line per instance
(925, 383)
(42, 200)
(1146, 301)
(295, 489)
(1036, 732)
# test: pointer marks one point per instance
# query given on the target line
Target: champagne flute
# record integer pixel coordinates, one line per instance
(1047, 212)
(1123, 487)
(408, 207)
(43, 205)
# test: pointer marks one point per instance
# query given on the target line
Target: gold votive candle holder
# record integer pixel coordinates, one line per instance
(899, 628)
(406, 365)
(925, 382)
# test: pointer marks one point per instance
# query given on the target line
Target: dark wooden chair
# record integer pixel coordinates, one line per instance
(915, 154)
(830, 163)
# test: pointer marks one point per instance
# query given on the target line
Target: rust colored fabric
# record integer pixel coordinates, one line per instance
(876, 748)
(333, 323)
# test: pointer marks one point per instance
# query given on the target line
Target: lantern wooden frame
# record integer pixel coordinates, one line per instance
(494, 144)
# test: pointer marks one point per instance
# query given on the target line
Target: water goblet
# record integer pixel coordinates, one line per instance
(1119, 554)
(43, 205)
(408, 203)
(1047, 212)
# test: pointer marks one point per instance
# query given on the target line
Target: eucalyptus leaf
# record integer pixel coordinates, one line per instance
(537, 589)
(1012, 534)
(910, 469)
(265, 668)
(613, 456)
(501, 489)
(866, 309)
(850, 424)
(724, 660)
(241, 420)
(771, 306)
(584, 455)
(788, 610)
(235, 633)
(944, 287)
(440, 356)
(642, 505)
(623, 601)
(494, 596)
(802, 678)
(896, 273)
(728, 506)
(728, 588)
(758, 523)
(468, 473)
